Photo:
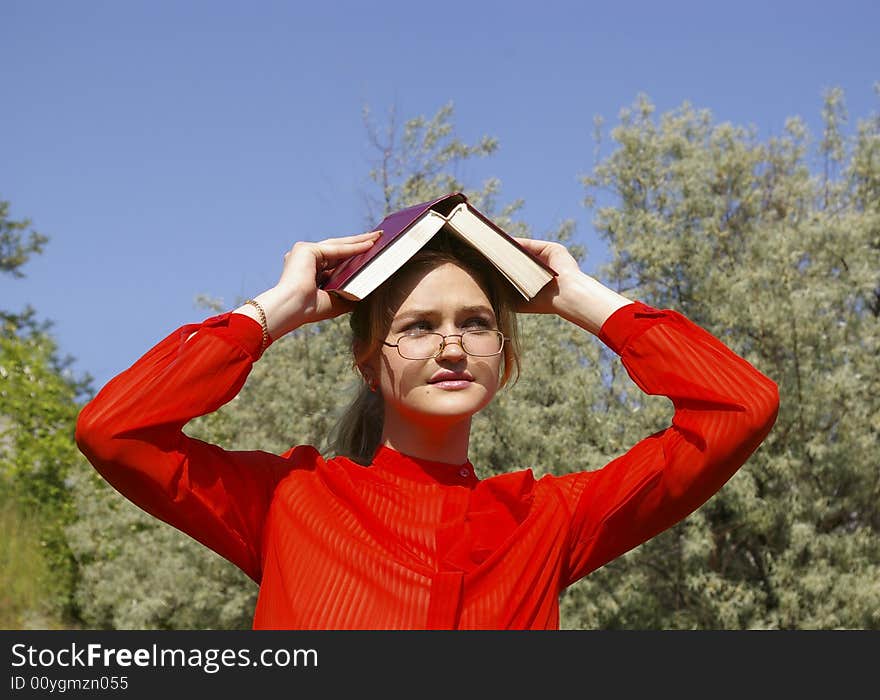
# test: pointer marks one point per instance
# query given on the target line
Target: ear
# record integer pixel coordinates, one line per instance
(369, 374)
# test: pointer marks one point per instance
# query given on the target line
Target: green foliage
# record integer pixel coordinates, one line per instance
(37, 415)
(782, 263)
(29, 590)
(38, 408)
(15, 247)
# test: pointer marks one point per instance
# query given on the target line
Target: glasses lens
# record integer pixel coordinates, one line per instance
(482, 343)
(419, 346)
(423, 346)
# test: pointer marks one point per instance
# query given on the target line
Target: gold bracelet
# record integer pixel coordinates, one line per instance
(263, 322)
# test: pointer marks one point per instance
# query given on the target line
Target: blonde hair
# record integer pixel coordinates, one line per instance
(358, 431)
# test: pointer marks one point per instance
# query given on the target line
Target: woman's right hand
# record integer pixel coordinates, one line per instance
(297, 299)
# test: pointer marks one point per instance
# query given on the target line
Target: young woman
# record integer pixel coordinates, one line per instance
(396, 531)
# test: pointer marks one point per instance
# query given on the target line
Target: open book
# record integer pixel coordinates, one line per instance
(406, 231)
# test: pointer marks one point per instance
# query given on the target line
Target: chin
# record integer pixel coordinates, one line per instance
(427, 401)
(463, 403)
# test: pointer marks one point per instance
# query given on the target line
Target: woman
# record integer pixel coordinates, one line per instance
(396, 531)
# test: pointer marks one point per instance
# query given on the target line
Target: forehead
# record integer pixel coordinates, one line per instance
(445, 286)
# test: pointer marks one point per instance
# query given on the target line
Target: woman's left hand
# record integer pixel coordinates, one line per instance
(571, 294)
(557, 258)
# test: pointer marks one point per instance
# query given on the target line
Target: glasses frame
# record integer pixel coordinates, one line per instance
(444, 342)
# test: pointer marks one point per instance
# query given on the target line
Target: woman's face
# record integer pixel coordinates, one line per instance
(453, 385)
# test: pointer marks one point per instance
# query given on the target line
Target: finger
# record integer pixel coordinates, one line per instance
(531, 244)
(337, 304)
(325, 255)
(322, 275)
(357, 238)
(540, 249)
(332, 250)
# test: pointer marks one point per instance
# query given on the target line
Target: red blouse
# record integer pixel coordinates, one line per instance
(410, 543)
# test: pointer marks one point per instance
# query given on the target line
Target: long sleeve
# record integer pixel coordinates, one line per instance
(132, 433)
(723, 409)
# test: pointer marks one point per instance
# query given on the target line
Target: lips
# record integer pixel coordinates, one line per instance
(447, 376)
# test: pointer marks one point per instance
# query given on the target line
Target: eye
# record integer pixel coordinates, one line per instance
(477, 322)
(417, 327)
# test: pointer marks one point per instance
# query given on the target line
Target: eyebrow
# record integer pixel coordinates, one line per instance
(422, 313)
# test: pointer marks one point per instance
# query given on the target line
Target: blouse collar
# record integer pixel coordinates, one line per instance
(425, 471)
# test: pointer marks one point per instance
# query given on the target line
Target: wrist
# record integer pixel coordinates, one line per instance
(280, 313)
(588, 303)
(264, 327)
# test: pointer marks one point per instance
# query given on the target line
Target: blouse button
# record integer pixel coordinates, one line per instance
(464, 473)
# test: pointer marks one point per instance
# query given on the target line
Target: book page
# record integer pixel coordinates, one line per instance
(515, 264)
(394, 255)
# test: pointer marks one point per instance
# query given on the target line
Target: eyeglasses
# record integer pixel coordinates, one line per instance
(425, 345)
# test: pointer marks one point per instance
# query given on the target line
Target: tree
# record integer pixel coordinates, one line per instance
(782, 261)
(16, 250)
(38, 408)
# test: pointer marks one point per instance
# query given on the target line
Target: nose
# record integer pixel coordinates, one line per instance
(451, 348)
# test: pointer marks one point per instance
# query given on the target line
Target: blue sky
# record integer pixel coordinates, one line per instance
(170, 149)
